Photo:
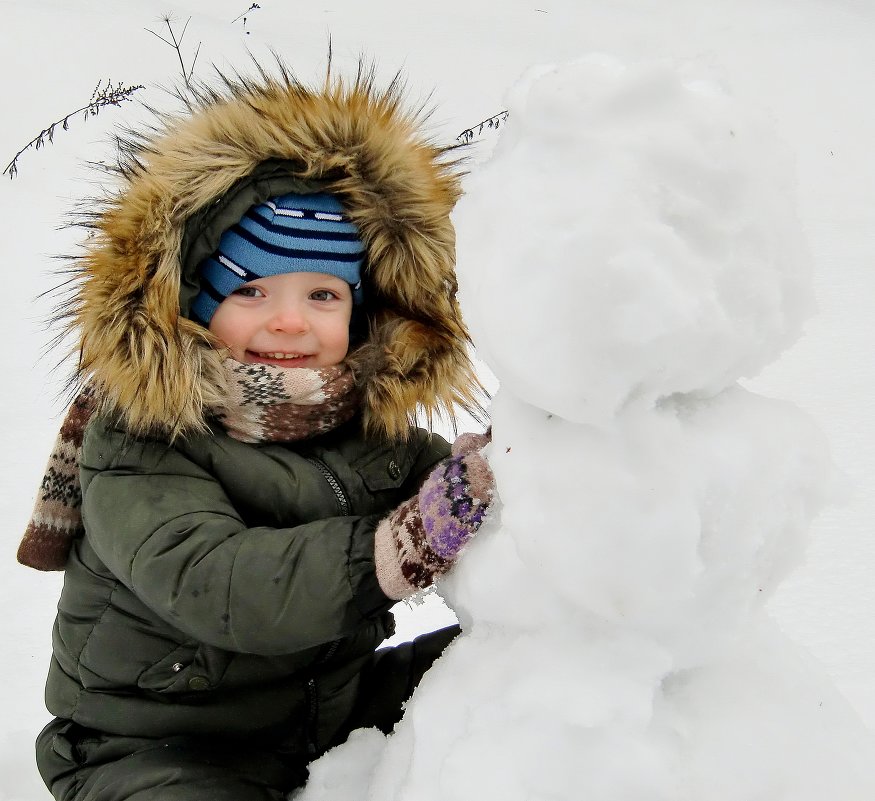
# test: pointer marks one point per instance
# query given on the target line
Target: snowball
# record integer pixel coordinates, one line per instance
(632, 237)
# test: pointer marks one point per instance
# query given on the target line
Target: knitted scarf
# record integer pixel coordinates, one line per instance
(264, 404)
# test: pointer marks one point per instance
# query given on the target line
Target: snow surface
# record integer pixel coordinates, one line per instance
(806, 65)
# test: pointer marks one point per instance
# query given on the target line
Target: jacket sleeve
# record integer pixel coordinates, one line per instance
(166, 529)
(434, 449)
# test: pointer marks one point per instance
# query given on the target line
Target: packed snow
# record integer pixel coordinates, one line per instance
(805, 65)
(630, 251)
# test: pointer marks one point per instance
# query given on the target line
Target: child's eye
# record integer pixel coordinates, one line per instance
(323, 295)
(249, 292)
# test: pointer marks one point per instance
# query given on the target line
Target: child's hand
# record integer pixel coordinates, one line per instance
(421, 539)
(453, 501)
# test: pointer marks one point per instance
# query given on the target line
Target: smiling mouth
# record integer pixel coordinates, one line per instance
(277, 356)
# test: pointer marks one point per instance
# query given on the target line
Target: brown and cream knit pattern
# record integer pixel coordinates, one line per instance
(276, 404)
(404, 560)
(56, 518)
(265, 404)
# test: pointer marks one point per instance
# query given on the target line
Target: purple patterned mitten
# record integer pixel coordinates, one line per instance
(453, 501)
(419, 540)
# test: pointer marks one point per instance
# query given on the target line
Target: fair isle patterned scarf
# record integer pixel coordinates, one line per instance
(265, 404)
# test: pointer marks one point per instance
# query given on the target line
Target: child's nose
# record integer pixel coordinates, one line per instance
(289, 319)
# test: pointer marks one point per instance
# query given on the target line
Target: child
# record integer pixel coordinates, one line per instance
(262, 307)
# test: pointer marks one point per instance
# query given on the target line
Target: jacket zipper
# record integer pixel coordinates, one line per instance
(342, 502)
(330, 652)
(312, 716)
(312, 690)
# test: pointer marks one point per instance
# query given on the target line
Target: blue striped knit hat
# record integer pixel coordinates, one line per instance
(287, 234)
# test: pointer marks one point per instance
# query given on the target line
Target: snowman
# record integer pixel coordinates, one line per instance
(627, 256)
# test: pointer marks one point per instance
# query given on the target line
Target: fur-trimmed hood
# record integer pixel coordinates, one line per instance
(160, 371)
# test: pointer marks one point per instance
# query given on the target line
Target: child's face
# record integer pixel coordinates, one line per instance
(291, 320)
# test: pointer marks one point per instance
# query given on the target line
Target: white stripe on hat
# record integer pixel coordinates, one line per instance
(226, 262)
(284, 212)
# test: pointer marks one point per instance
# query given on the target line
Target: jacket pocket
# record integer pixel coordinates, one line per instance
(191, 667)
(385, 469)
(60, 753)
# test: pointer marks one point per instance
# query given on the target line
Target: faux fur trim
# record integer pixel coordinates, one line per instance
(159, 371)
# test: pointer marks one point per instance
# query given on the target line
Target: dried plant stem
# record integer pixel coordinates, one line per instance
(242, 16)
(176, 43)
(475, 130)
(101, 97)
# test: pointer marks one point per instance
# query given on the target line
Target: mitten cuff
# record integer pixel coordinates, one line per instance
(389, 575)
(404, 561)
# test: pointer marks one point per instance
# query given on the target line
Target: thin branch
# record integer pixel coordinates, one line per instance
(108, 95)
(193, 62)
(242, 16)
(176, 44)
(159, 36)
(490, 122)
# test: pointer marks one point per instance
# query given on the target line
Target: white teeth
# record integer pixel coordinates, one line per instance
(281, 355)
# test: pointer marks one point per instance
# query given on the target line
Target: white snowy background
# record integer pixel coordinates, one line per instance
(806, 66)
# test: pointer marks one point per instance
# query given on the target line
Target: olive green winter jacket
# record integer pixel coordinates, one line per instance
(224, 587)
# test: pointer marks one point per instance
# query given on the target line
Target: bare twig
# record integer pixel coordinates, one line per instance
(101, 97)
(176, 43)
(242, 16)
(245, 16)
(475, 130)
(193, 62)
